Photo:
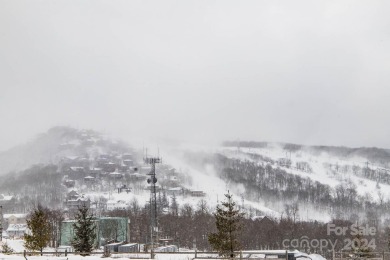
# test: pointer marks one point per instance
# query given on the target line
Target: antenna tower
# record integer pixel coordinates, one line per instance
(1, 223)
(153, 198)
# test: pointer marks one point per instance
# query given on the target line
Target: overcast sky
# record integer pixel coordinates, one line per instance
(311, 72)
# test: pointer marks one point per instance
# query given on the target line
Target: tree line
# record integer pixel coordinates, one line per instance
(200, 227)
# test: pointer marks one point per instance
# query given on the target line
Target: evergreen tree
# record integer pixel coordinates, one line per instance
(6, 249)
(227, 219)
(165, 201)
(174, 206)
(84, 230)
(360, 248)
(40, 228)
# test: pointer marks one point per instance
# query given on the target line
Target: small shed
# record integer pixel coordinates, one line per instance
(89, 179)
(128, 248)
(113, 247)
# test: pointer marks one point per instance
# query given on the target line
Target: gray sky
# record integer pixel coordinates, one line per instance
(312, 72)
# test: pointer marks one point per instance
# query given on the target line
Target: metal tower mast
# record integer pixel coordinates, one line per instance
(1, 223)
(153, 197)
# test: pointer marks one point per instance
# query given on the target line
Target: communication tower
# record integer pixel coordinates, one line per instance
(1, 223)
(152, 161)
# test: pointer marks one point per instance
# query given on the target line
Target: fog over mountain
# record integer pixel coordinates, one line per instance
(322, 182)
(201, 71)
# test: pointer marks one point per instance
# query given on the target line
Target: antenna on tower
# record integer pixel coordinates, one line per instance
(153, 197)
(1, 223)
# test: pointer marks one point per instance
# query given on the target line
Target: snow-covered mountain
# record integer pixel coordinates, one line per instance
(325, 182)
(270, 179)
(56, 143)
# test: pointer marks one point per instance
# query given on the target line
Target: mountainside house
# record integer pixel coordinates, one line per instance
(72, 195)
(69, 183)
(197, 193)
(124, 188)
(109, 167)
(138, 176)
(12, 219)
(113, 205)
(74, 203)
(263, 219)
(5, 198)
(95, 172)
(16, 230)
(175, 191)
(116, 175)
(89, 179)
(128, 162)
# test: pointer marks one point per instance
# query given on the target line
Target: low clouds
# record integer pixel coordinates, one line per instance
(305, 72)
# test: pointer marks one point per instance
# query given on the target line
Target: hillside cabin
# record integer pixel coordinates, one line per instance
(109, 167)
(69, 183)
(197, 193)
(124, 188)
(89, 179)
(72, 195)
(16, 230)
(13, 219)
(75, 204)
(175, 191)
(115, 205)
(128, 162)
(116, 175)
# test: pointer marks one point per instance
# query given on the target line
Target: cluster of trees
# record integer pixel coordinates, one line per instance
(189, 226)
(44, 227)
(37, 184)
(379, 175)
(225, 229)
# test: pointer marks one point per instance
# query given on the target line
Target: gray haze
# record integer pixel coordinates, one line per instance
(311, 72)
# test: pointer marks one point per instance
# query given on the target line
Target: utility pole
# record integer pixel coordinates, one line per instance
(153, 199)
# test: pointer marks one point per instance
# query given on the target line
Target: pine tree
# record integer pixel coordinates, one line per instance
(6, 249)
(174, 206)
(40, 228)
(84, 230)
(227, 219)
(359, 247)
(165, 201)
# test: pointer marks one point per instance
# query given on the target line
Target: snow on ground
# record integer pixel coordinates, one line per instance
(207, 180)
(213, 186)
(316, 257)
(18, 247)
(172, 256)
(16, 244)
